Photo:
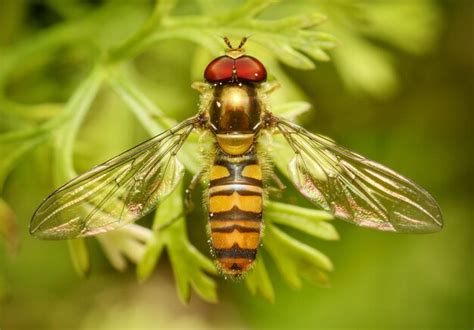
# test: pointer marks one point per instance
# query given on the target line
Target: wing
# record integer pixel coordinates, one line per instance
(116, 192)
(356, 189)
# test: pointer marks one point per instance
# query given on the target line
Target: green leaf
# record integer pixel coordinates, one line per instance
(75, 112)
(285, 52)
(363, 31)
(147, 265)
(309, 221)
(294, 258)
(191, 268)
(281, 153)
(258, 280)
(125, 243)
(284, 38)
(414, 35)
(316, 53)
(79, 256)
(298, 211)
(144, 109)
(365, 67)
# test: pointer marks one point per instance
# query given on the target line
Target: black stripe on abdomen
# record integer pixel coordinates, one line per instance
(235, 214)
(231, 228)
(236, 252)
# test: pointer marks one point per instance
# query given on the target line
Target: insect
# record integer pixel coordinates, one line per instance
(233, 110)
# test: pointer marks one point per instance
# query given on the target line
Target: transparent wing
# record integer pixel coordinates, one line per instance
(356, 189)
(116, 192)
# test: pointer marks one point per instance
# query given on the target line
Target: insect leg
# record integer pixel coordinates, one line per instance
(170, 222)
(201, 87)
(270, 87)
(280, 186)
(188, 201)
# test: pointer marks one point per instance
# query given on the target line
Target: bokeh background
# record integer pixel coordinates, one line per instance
(398, 89)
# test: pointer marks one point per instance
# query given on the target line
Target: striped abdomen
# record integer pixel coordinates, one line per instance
(235, 211)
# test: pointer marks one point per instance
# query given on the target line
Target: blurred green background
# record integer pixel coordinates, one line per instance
(398, 89)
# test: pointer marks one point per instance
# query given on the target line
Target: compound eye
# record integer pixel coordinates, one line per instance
(219, 69)
(250, 69)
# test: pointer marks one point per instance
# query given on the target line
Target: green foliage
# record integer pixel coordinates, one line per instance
(8, 227)
(189, 265)
(295, 259)
(364, 28)
(99, 44)
(310, 221)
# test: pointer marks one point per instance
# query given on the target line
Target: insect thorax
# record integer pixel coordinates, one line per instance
(235, 116)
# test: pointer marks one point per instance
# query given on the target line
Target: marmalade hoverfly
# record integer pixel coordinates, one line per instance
(234, 111)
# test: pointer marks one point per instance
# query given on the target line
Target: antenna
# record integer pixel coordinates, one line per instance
(241, 44)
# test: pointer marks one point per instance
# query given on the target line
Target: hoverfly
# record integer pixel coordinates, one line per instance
(234, 111)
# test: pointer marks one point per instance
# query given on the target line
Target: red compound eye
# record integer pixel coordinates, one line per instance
(247, 68)
(220, 69)
(250, 69)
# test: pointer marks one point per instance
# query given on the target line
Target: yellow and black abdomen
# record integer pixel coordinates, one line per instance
(235, 210)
